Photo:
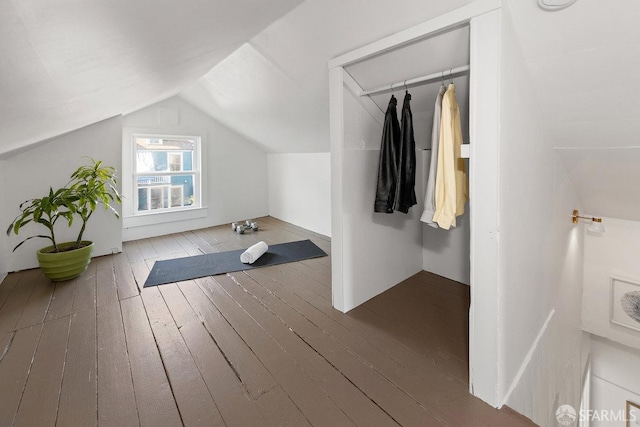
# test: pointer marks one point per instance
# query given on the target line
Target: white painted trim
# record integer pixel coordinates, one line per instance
(130, 200)
(367, 103)
(196, 160)
(162, 217)
(336, 116)
(585, 393)
(435, 26)
(587, 370)
(485, 347)
(527, 359)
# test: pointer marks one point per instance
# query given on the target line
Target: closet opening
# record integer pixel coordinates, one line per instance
(444, 252)
(435, 298)
(376, 252)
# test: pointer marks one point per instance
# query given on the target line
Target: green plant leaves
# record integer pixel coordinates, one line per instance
(89, 186)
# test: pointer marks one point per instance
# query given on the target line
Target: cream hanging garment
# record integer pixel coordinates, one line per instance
(430, 196)
(451, 191)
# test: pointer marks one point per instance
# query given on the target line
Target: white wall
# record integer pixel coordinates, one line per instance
(300, 190)
(364, 242)
(484, 124)
(236, 174)
(613, 253)
(29, 174)
(615, 379)
(540, 253)
(4, 223)
(447, 252)
(234, 170)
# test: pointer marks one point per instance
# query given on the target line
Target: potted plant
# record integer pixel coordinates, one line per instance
(90, 186)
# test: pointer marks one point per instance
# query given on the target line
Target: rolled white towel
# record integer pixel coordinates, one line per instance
(254, 252)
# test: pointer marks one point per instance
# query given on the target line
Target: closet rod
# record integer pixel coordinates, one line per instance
(442, 75)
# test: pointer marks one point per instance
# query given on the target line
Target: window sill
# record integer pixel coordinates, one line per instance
(152, 218)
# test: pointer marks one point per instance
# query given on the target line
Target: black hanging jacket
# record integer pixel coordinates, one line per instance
(387, 166)
(405, 194)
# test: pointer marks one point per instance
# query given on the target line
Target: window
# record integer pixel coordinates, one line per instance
(167, 173)
(175, 162)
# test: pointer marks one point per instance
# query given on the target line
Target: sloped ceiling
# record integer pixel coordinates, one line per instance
(582, 60)
(70, 63)
(275, 89)
(606, 180)
(66, 64)
(585, 64)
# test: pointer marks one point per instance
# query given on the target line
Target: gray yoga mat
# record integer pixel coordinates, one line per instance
(193, 267)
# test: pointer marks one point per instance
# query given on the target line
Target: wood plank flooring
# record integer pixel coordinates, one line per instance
(257, 348)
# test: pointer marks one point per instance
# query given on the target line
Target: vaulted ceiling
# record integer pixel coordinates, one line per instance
(260, 68)
(275, 89)
(582, 60)
(67, 64)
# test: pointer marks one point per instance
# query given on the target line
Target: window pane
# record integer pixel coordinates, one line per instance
(157, 198)
(165, 191)
(185, 183)
(143, 196)
(175, 162)
(176, 197)
(165, 197)
(164, 154)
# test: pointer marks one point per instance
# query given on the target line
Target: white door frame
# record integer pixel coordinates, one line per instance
(483, 17)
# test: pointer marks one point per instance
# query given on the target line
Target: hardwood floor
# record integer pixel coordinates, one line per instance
(253, 348)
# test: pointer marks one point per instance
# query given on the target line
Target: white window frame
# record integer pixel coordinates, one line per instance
(133, 218)
(196, 167)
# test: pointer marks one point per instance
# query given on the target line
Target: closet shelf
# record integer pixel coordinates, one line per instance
(465, 151)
